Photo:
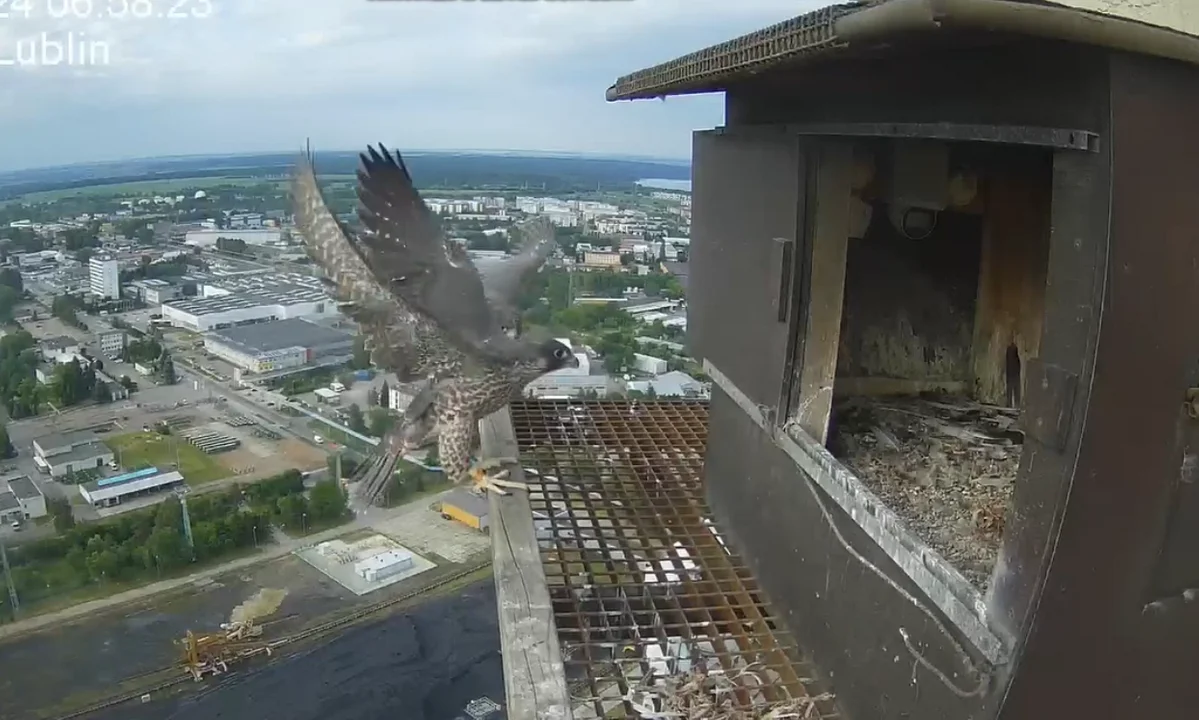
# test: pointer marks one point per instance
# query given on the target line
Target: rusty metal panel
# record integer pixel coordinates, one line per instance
(641, 579)
(748, 204)
(1092, 627)
(1177, 573)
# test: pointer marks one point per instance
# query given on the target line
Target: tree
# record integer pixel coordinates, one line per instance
(327, 500)
(164, 368)
(6, 448)
(101, 393)
(362, 357)
(11, 277)
(380, 421)
(60, 511)
(292, 509)
(354, 418)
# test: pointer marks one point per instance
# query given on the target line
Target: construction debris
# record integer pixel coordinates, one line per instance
(945, 465)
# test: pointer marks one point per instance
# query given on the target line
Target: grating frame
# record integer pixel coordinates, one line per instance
(641, 581)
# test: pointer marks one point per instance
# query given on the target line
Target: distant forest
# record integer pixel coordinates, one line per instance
(429, 169)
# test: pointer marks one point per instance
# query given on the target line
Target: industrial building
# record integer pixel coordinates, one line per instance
(10, 509)
(384, 565)
(466, 507)
(554, 385)
(239, 300)
(20, 500)
(208, 238)
(280, 345)
(649, 364)
(60, 454)
(672, 384)
(114, 490)
(58, 349)
(112, 342)
(104, 278)
(155, 292)
(28, 495)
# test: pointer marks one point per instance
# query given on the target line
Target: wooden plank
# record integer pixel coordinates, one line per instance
(822, 326)
(534, 676)
(1013, 273)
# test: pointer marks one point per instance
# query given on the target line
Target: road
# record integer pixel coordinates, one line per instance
(281, 545)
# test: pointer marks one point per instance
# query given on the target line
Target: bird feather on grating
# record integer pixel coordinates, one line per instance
(712, 695)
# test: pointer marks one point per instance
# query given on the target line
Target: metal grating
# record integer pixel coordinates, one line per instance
(641, 581)
(712, 67)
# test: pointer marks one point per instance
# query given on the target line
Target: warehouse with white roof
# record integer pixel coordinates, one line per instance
(250, 298)
(281, 345)
(110, 491)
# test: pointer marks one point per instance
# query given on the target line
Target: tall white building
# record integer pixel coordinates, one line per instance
(104, 277)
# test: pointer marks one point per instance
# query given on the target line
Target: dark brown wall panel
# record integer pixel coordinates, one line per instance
(748, 197)
(1025, 82)
(1098, 646)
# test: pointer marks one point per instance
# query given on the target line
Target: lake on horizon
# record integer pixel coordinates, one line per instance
(664, 184)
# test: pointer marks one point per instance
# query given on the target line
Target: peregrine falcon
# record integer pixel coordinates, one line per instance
(412, 257)
(461, 381)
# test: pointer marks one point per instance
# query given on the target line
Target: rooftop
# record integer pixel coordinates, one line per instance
(61, 440)
(279, 335)
(8, 502)
(81, 452)
(469, 501)
(58, 342)
(23, 487)
(253, 289)
(1163, 29)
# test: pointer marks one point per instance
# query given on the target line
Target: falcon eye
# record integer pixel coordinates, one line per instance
(560, 353)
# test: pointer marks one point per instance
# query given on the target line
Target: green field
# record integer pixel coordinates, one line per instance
(145, 449)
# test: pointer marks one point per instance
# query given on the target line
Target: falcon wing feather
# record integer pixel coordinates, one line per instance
(329, 246)
(503, 280)
(414, 259)
(390, 331)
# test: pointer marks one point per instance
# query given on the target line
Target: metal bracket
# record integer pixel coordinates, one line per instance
(1048, 137)
(1192, 402)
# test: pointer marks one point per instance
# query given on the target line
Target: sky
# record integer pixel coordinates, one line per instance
(231, 76)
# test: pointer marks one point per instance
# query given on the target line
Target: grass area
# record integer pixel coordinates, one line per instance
(145, 449)
(97, 591)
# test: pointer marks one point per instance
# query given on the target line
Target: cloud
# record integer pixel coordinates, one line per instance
(246, 75)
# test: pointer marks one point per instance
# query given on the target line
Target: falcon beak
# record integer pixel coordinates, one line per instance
(573, 362)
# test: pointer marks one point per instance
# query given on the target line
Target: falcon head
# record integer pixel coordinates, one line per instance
(553, 355)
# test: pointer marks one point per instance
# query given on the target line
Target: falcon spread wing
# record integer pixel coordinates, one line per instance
(399, 341)
(503, 279)
(412, 257)
(436, 280)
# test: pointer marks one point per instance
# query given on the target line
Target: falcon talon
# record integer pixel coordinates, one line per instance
(496, 462)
